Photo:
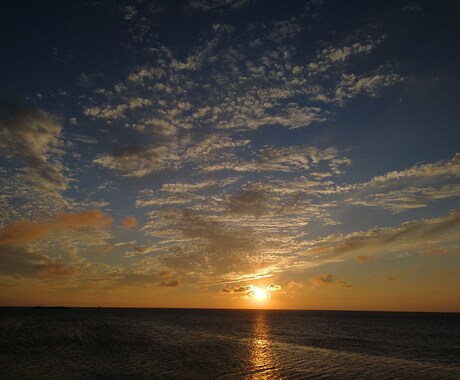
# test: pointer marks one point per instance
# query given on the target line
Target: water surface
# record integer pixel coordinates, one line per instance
(226, 344)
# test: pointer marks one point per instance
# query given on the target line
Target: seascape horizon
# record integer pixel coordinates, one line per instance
(230, 189)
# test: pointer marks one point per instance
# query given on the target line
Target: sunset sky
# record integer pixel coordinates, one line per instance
(230, 154)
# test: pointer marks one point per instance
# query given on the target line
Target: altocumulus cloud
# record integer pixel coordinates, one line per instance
(32, 137)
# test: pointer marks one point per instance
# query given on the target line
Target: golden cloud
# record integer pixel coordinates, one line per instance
(25, 231)
(130, 222)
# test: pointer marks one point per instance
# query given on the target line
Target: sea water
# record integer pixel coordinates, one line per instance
(226, 344)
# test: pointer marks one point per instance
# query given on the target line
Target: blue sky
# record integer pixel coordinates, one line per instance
(182, 154)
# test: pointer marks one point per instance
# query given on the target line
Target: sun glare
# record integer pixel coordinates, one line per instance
(259, 294)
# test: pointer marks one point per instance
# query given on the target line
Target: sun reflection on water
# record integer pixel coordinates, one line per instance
(262, 359)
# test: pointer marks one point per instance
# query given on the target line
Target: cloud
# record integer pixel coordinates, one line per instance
(217, 5)
(187, 187)
(118, 277)
(295, 285)
(409, 234)
(352, 85)
(330, 56)
(130, 222)
(241, 289)
(412, 7)
(283, 30)
(273, 287)
(32, 137)
(329, 280)
(211, 147)
(407, 197)
(25, 231)
(249, 290)
(171, 283)
(362, 258)
(207, 247)
(431, 251)
(445, 168)
(117, 111)
(140, 161)
(250, 201)
(84, 219)
(20, 261)
(281, 159)
(410, 188)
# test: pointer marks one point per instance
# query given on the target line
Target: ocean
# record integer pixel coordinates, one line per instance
(87, 343)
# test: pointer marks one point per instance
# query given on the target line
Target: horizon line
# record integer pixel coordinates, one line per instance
(222, 308)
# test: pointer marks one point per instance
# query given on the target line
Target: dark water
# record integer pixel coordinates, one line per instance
(225, 344)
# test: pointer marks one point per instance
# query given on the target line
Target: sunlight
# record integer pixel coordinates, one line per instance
(263, 361)
(259, 294)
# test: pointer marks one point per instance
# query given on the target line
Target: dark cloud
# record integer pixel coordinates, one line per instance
(32, 137)
(244, 289)
(273, 287)
(328, 279)
(20, 261)
(141, 160)
(249, 289)
(248, 202)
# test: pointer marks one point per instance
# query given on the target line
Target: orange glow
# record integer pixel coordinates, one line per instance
(259, 294)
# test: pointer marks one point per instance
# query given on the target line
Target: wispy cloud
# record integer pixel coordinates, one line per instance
(408, 236)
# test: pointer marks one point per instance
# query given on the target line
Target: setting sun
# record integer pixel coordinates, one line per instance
(259, 294)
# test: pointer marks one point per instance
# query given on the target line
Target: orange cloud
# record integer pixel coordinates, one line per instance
(362, 258)
(24, 231)
(130, 222)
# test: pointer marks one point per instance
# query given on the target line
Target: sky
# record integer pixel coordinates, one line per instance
(230, 154)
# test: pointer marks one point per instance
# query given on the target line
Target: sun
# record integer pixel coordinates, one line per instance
(259, 294)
